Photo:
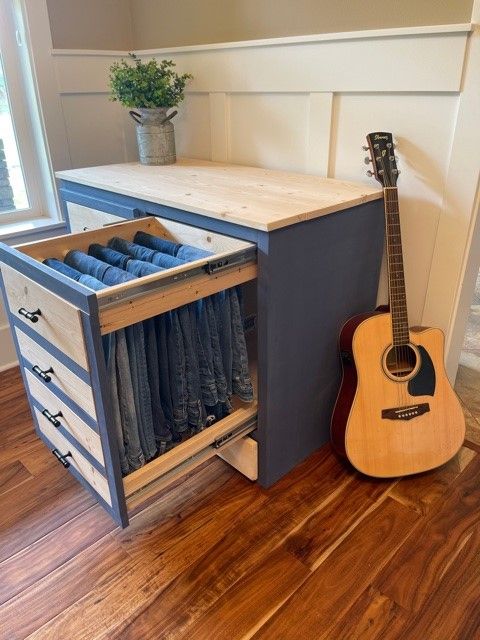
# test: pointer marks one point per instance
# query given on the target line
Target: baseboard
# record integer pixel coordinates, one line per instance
(9, 365)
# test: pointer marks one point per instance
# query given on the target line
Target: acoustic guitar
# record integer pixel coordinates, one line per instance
(396, 413)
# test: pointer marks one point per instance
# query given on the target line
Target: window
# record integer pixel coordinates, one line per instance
(26, 181)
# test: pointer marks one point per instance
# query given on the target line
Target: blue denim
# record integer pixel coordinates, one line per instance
(221, 305)
(141, 388)
(74, 274)
(115, 258)
(177, 369)
(142, 253)
(182, 251)
(164, 374)
(108, 274)
(218, 369)
(140, 268)
(205, 357)
(135, 344)
(241, 381)
(163, 434)
(195, 410)
(119, 383)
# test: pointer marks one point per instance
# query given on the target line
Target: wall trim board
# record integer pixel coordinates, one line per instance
(424, 62)
(369, 34)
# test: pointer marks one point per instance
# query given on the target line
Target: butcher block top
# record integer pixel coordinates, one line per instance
(257, 198)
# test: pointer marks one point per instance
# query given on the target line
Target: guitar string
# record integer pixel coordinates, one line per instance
(400, 351)
(386, 184)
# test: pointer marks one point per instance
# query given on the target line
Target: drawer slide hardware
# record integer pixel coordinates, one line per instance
(30, 315)
(233, 435)
(53, 417)
(244, 256)
(62, 458)
(43, 374)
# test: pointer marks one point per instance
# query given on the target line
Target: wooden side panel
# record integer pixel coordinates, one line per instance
(83, 218)
(82, 433)
(243, 456)
(59, 323)
(75, 388)
(94, 478)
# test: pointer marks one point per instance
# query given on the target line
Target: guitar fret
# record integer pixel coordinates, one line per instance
(397, 294)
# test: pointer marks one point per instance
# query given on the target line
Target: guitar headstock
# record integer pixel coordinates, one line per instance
(382, 157)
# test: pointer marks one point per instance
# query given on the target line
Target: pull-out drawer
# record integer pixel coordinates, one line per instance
(232, 262)
(53, 373)
(65, 367)
(46, 313)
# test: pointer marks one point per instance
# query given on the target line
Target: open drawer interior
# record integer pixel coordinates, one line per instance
(231, 262)
(230, 439)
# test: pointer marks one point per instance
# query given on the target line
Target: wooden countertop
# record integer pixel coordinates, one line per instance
(258, 198)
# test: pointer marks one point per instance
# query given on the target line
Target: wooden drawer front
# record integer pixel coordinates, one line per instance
(94, 478)
(84, 219)
(73, 387)
(77, 428)
(59, 323)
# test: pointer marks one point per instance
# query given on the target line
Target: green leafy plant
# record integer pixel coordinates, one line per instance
(147, 84)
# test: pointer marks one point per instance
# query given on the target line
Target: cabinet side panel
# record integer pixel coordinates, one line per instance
(312, 277)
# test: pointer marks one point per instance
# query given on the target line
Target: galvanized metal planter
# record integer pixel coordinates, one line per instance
(155, 135)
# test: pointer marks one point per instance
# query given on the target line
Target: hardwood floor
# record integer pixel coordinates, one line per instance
(325, 553)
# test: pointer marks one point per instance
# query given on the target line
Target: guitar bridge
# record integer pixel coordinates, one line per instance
(406, 413)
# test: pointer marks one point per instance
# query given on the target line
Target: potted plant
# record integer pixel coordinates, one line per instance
(151, 89)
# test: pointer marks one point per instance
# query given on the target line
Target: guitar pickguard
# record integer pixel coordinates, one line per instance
(423, 384)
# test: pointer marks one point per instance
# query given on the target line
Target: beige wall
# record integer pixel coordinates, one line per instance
(150, 24)
(164, 23)
(90, 24)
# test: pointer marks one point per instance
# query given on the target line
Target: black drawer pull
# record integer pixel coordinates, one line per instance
(53, 417)
(62, 458)
(30, 315)
(42, 374)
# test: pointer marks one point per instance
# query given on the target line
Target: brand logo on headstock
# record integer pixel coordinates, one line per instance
(377, 137)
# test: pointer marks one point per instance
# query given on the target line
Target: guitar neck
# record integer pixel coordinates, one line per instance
(396, 278)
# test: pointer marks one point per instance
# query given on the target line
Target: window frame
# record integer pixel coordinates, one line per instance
(25, 111)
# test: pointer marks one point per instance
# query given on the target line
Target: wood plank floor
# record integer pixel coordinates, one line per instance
(325, 553)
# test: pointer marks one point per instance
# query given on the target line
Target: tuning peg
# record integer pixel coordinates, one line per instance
(370, 173)
(367, 160)
(365, 148)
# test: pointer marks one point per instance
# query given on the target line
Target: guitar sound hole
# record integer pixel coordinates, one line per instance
(401, 362)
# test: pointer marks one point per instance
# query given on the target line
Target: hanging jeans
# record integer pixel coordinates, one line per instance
(119, 380)
(196, 414)
(182, 251)
(142, 253)
(135, 344)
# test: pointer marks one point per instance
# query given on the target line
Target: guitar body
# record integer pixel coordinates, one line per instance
(390, 426)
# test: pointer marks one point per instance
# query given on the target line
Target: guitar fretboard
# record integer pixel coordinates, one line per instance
(396, 279)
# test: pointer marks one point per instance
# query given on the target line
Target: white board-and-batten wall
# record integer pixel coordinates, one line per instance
(305, 104)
